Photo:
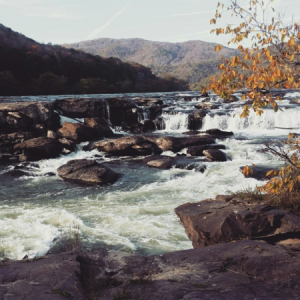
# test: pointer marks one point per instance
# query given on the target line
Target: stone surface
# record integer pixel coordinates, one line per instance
(215, 155)
(147, 101)
(195, 119)
(76, 132)
(207, 105)
(128, 146)
(160, 161)
(227, 219)
(198, 150)
(295, 101)
(259, 172)
(176, 144)
(100, 126)
(39, 148)
(242, 270)
(87, 172)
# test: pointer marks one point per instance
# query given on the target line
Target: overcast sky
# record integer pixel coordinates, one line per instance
(66, 21)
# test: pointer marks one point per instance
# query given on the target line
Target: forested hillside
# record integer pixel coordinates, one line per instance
(31, 68)
(192, 61)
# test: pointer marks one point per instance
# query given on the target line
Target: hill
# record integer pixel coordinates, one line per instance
(192, 61)
(31, 68)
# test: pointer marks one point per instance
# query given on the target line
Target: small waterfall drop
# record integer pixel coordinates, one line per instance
(269, 120)
(175, 121)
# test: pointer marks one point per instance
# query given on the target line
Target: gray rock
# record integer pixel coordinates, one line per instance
(215, 155)
(198, 150)
(160, 161)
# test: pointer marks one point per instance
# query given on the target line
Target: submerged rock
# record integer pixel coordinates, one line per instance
(128, 146)
(215, 155)
(87, 171)
(228, 219)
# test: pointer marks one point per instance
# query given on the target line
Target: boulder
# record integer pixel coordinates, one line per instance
(191, 132)
(128, 146)
(143, 126)
(195, 119)
(160, 161)
(227, 219)
(39, 148)
(100, 126)
(215, 155)
(27, 116)
(176, 144)
(76, 132)
(259, 172)
(218, 132)
(86, 172)
(198, 150)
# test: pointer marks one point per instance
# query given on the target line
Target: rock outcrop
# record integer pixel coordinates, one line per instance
(176, 144)
(39, 148)
(86, 172)
(76, 132)
(100, 126)
(128, 146)
(229, 219)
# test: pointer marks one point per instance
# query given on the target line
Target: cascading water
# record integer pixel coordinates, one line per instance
(175, 121)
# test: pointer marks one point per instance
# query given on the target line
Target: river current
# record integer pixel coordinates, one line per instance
(135, 214)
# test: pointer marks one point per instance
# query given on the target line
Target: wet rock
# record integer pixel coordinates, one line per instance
(219, 132)
(100, 126)
(76, 132)
(295, 101)
(176, 144)
(207, 105)
(16, 173)
(86, 171)
(224, 220)
(259, 172)
(215, 155)
(67, 144)
(147, 101)
(128, 146)
(195, 119)
(160, 161)
(191, 132)
(143, 126)
(191, 166)
(39, 148)
(160, 123)
(198, 150)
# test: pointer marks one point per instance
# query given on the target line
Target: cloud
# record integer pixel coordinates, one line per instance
(191, 14)
(95, 33)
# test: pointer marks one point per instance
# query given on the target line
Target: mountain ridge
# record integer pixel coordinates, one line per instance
(193, 61)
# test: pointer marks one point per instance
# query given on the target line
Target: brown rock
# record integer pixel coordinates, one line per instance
(212, 222)
(218, 132)
(76, 132)
(160, 161)
(207, 105)
(176, 144)
(129, 145)
(100, 126)
(39, 148)
(215, 155)
(87, 172)
(198, 150)
(295, 101)
(147, 101)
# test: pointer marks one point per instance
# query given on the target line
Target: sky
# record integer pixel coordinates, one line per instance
(68, 21)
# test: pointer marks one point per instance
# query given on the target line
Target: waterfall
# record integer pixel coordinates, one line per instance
(283, 119)
(176, 121)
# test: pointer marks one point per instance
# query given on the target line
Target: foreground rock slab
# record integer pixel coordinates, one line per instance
(241, 270)
(87, 172)
(227, 219)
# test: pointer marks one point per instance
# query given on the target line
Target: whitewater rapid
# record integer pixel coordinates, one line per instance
(136, 214)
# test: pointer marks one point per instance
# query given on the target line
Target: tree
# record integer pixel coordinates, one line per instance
(272, 61)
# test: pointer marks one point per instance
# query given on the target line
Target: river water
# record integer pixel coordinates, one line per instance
(136, 213)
